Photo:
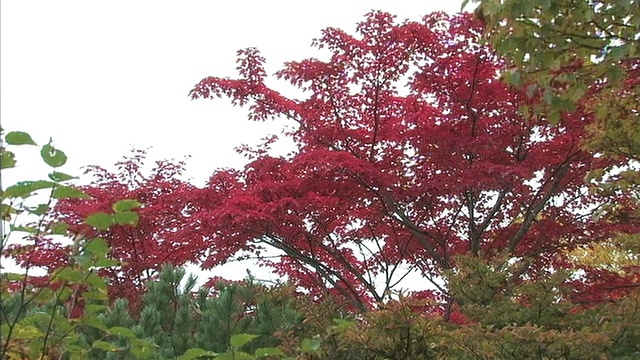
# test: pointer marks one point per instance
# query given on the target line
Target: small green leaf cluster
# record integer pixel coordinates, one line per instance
(561, 48)
(41, 316)
(15, 197)
(122, 215)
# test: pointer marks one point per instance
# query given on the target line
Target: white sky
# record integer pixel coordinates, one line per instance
(103, 77)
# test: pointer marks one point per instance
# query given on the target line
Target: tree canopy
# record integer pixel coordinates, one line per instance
(410, 152)
(513, 203)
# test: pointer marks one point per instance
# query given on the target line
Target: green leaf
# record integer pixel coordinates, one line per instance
(614, 74)
(546, 59)
(105, 262)
(121, 331)
(268, 351)
(44, 295)
(238, 355)
(76, 352)
(97, 282)
(142, 342)
(7, 160)
(26, 332)
(41, 209)
(24, 189)
(52, 156)
(70, 274)
(96, 294)
(95, 321)
(547, 95)
(491, 8)
(239, 340)
(83, 259)
(39, 317)
(103, 345)
(142, 348)
(19, 138)
(514, 78)
(63, 294)
(615, 53)
(59, 228)
(554, 117)
(310, 345)
(98, 247)
(100, 221)
(196, 353)
(13, 276)
(60, 177)
(93, 309)
(342, 324)
(68, 192)
(126, 218)
(577, 91)
(126, 204)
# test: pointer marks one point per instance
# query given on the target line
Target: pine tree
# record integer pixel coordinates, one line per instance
(176, 317)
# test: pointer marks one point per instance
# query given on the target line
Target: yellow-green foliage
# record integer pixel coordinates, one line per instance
(613, 255)
(564, 49)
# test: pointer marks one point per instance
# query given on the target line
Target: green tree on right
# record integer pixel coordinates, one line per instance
(569, 52)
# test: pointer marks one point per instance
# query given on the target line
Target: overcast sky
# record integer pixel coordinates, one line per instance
(101, 77)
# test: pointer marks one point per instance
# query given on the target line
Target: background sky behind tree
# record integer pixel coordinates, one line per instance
(101, 78)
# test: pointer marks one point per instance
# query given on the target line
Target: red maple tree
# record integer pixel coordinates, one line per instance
(141, 249)
(410, 151)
